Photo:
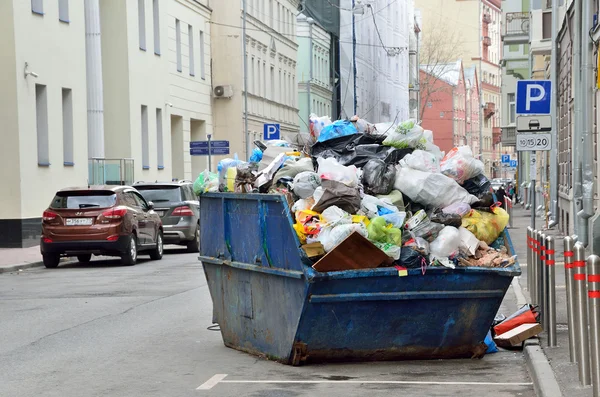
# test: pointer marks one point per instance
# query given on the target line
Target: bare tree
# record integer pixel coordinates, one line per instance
(439, 51)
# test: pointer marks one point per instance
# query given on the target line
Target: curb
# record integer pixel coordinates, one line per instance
(22, 266)
(544, 380)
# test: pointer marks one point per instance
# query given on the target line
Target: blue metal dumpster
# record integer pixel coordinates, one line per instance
(269, 301)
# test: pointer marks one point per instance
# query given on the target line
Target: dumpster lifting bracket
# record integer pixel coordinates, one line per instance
(299, 353)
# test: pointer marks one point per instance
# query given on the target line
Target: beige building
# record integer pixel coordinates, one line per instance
(101, 91)
(271, 51)
(473, 28)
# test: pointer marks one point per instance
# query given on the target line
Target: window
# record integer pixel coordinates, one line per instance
(63, 10)
(145, 146)
(37, 6)
(264, 88)
(67, 119)
(156, 22)
(258, 81)
(202, 60)
(160, 157)
(271, 13)
(191, 50)
(285, 90)
(272, 83)
(142, 23)
(278, 17)
(252, 77)
(511, 109)
(178, 44)
(41, 117)
(547, 25)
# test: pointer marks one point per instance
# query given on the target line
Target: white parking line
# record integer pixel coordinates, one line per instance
(220, 378)
(212, 382)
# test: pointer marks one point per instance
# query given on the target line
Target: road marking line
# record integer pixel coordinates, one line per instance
(391, 382)
(212, 382)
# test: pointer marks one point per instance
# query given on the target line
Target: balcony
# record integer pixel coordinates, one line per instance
(489, 109)
(487, 41)
(509, 136)
(516, 28)
(496, 135)
(487, 18)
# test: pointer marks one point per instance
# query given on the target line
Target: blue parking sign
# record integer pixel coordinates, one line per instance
(505, 158)
(271, 131)
(533, 96)
(513, 163)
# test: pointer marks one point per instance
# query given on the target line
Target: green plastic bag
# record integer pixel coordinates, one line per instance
(381, 232)
(206, 182)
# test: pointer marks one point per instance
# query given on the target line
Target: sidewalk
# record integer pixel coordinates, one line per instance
(13, 259)
(565, 372)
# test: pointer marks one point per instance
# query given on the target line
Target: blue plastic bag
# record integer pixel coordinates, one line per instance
(489, 341)
(257, 156)
(337, 129)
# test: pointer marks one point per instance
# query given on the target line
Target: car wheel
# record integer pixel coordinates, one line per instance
(51, 261)
(194, 245)
(129, 257)
(157, 253)
(84, 258)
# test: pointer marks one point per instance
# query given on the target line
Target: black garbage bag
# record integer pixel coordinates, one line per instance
(446, 219)
(478, 185)
(378, 177)
(412, 206)
(358, 149)
(485, 202)
(412, 259)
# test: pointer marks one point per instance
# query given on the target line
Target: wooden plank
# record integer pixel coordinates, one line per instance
(355, 252)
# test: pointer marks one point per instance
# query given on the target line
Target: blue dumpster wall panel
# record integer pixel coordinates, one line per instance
(268, 302)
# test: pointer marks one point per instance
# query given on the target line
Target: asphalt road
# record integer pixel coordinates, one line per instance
(107, 330)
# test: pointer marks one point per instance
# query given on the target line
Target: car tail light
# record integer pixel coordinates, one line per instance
(47, 240)
(49, 216)
(182, 211)
(114, 237)
(115, 213)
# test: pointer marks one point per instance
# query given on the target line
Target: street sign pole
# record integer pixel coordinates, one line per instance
(209, 154)
(532, 175)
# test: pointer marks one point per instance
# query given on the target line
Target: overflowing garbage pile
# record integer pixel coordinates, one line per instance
(383, 193)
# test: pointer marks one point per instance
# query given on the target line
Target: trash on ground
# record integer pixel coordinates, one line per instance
(518, 335)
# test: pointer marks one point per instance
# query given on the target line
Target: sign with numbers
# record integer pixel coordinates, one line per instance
(533, 142)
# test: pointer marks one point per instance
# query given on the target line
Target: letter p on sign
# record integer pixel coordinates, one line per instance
(533, 96)
(271, 131)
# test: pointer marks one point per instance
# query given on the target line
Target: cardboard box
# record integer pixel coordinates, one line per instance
(313, 250)
(518, 335)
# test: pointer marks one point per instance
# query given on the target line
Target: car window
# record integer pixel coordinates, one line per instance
(161, 194)
(129, 200)
(140, 200)
(189, 192)
(84, 199)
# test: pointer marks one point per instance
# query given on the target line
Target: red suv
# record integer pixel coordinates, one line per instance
(100, 220)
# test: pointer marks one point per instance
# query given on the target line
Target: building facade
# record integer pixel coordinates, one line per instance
(107, 93)
(473, 108)
(315, 88)
(374, 59)
(445, 104)
(472, 29)
(271, 52)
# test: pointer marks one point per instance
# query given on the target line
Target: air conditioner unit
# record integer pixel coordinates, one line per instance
(223, 91)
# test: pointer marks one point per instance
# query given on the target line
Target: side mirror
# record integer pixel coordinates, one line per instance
(150, 205)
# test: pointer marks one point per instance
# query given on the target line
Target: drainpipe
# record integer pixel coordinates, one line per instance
(587, 122)
(553, 111)
(577, 188)
(93, 68)
(310, 22)
(244, 59)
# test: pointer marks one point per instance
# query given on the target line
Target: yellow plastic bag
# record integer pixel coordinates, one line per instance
(382, 232)
(484, 225)
(361, 219)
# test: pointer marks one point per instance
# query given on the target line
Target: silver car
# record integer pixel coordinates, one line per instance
(179, 210)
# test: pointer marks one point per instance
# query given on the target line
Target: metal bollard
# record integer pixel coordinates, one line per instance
(536, 267)
(593, 266)
(568, 254)
(551, 287)
(543, 281)
(581, 315)
(529, 260)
